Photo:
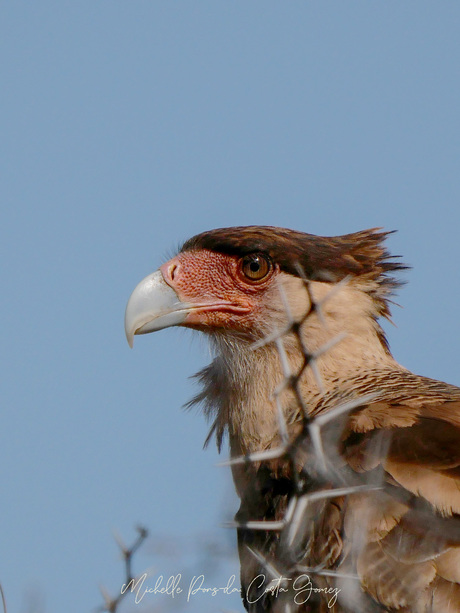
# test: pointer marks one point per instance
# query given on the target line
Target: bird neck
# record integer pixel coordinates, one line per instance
(238, 387)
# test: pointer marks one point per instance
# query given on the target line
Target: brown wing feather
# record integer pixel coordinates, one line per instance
(402, 540)
(412, 556)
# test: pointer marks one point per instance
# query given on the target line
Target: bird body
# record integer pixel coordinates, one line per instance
(347, 465)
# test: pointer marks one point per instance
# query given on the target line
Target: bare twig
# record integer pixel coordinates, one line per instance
(2, 593)
(111, 604)
(312, 458)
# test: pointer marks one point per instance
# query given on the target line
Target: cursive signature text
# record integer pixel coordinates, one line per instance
(301, 586)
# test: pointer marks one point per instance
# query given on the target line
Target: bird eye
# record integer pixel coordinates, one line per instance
(255, 266)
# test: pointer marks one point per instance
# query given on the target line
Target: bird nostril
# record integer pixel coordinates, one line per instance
(172, 271)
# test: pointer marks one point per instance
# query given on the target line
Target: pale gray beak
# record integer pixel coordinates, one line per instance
(153, 305)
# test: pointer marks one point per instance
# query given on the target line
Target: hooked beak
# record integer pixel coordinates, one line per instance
(153, 305)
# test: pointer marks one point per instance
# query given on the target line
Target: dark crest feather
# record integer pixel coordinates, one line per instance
(322, 258)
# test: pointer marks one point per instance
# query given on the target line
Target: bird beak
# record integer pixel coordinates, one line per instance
(153, 305)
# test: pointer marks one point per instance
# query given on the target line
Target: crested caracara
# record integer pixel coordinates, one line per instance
(347, 464)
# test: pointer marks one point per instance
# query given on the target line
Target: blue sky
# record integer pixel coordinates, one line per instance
(127, 127)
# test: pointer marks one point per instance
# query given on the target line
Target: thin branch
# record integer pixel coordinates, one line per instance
(3, 599)
(111, 604)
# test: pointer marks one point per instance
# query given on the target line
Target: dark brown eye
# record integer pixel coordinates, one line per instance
(255, 266)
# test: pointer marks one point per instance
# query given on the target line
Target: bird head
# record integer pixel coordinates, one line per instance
(228, 280)
(205, 290)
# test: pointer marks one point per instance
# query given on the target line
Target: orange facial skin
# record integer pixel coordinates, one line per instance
(226, 299)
